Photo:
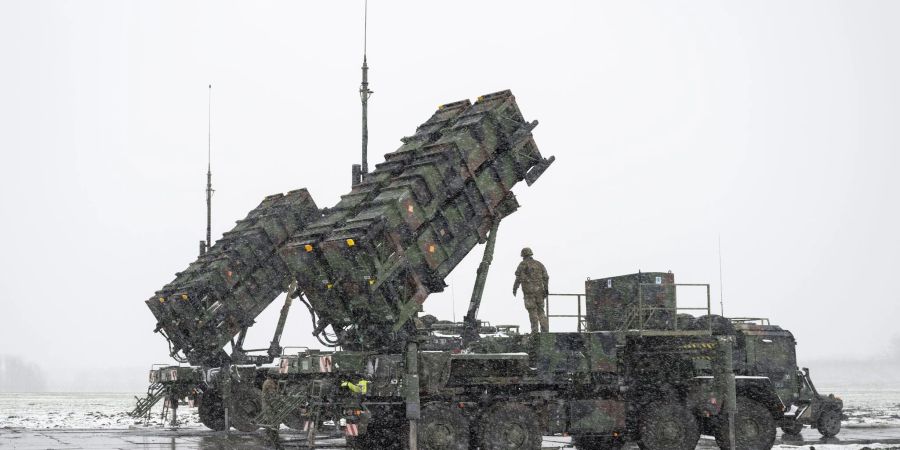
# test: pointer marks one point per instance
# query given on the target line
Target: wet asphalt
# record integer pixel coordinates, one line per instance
(190, 439)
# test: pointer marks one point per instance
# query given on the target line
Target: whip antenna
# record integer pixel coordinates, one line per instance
(364, 93)
(209, 189)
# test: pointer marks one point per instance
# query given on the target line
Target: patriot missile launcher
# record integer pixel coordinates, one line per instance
(222, 292)
(362, 268)
(369, 263)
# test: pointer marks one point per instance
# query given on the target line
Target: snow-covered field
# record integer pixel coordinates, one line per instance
(838, 447)
(869, 406)
(79, 410)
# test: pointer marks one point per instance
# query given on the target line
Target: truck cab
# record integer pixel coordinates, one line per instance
(762, 349)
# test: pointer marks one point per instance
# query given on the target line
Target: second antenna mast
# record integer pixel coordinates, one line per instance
(359, 171)
(204, 247)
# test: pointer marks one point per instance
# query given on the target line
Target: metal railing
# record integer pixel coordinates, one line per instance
(582, 325)
(675, 310)
(756, 320)
(641, 314)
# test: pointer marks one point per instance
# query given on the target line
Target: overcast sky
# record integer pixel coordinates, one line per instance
(773, 124)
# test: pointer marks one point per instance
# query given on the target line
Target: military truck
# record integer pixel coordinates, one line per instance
(760, 348)
(651, 383)
(364, 267)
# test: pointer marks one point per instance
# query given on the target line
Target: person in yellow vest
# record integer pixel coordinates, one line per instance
(532, 276)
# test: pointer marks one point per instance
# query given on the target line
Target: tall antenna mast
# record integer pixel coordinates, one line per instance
(364, 94)
(209, 189)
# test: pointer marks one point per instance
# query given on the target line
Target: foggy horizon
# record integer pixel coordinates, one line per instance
(769, 125)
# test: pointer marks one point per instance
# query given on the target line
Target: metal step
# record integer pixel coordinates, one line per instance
(155, 393)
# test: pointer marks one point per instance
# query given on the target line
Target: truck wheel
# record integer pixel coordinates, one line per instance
(247, 405)
(586, 442)
(295, 420)
(211, 411)
(754, 427)
(793, 427)
(829, 423)
(510, 426)
(667, 426)
(364, 442)
(443, 427)
(380, 434)
(360, 442)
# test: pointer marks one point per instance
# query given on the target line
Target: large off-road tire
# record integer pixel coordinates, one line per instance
(380, 434)
(829, 423)
(667, 426)
(363, 442)
(685, 321)
(247, 405)
(720, 325)
(792, 428)
(586, 442)
(443, 427)
(359, 442)
(211, 410)
(754, 427)
(509, 426)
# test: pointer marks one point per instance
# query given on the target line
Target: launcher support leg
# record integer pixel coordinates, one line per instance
(173, 401)
(411, 384)
(226, 395)
(275, 345)
(723, 372)
(470, 322)
(313, 429)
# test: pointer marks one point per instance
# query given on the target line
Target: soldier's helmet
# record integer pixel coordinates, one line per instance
(527, 252)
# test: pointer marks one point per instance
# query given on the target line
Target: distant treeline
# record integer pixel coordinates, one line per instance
(18, 375)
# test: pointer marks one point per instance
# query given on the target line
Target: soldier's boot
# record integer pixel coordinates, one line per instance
(545, 323)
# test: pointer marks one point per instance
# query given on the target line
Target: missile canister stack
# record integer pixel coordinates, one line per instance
(368, 264)
(227, 287)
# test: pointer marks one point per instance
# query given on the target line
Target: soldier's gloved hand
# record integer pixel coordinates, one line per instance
(514, 292)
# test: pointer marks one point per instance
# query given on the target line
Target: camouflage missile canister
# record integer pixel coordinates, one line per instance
(370, 262)
(227, 287)
(612, 303)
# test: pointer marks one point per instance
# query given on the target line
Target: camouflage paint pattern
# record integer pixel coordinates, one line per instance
(768, 350)
(227, 287)
(369, 263)
(612, 302)
(597, 416)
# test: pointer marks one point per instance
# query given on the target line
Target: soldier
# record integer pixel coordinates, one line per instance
(533, 277)
(269, 393)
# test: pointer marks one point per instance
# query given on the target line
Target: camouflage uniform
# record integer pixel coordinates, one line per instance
(532, 276)
(269, 394)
